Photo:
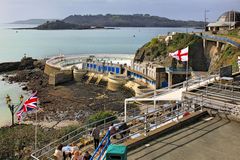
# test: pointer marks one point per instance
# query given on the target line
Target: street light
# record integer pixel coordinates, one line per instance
(205, 18)
(13, 106)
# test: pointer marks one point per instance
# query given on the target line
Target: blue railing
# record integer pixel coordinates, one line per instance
(218, 38)
(107, 142)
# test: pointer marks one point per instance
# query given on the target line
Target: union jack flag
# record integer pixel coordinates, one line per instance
(29, 105)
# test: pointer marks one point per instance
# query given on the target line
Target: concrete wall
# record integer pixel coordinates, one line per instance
(60, 77)
(116, 82)
(50, 69)
(78, 75)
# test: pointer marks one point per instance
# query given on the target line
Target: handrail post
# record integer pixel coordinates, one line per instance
(155, 106)
(145, 123)
(177, 111)
(104, 123)
(125, 110)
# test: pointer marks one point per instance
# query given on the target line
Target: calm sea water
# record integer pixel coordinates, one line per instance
(40, 44)
(14, 90)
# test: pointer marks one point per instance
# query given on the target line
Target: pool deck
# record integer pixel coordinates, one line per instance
(217, 139)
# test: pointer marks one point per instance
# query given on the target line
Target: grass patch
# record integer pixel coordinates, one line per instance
(18, 142)
(100, 116)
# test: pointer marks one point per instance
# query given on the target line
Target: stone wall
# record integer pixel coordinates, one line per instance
(50, 69)
(60, 77)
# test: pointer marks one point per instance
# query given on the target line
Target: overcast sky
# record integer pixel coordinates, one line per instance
(11, 10)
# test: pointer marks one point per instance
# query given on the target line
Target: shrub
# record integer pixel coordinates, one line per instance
(101, 116)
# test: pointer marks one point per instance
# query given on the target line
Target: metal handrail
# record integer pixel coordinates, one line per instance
(227, 85)
(69, 134)
(217, 94)
(106, 137)
(72, 135)
(135, 126)
(178, 69)
(223, 39)
(178, 112)
(222, 95)
(196, 81)
(213, 104)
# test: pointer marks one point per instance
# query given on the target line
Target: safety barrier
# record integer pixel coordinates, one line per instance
(223, 39)
(176, 70)
(154, 120)
(102, 147)
(190, 82)
(147, 123)
(83, 131)
(74, 136)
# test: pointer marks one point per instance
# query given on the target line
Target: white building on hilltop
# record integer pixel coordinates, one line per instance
(227, 21)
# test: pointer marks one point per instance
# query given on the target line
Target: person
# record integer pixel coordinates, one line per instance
(58, 154)
(123, 127)
(87, 156)
(112, 130)
(77, 155)
(74, 148)
(67, 152)
(96, 136)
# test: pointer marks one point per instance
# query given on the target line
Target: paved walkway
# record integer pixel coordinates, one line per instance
(217, 139)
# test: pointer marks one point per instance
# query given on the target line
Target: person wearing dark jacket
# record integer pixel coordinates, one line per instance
(123, 128)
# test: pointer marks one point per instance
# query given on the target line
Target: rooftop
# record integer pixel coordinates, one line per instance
(226, 19)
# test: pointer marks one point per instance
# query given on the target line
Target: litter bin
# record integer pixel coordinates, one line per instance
(116, 152)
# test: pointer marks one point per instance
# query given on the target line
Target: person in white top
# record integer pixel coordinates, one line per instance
(58, 154)
(112, 130)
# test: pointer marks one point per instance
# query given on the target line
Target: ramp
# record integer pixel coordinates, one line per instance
(100, 77)
(90, 78)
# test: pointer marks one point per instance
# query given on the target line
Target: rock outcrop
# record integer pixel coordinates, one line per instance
(25, 63)
(9, 66)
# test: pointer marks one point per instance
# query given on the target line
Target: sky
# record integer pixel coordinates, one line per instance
(11, 10)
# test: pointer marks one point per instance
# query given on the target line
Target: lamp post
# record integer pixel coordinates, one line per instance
(205, 18)
(12, 106)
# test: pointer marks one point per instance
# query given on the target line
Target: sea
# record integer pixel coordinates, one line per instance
(15, 43)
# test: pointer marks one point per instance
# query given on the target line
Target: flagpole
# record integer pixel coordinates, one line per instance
(187, 76)
(36, 131)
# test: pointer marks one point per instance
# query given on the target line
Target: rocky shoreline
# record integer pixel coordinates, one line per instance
(71, 101)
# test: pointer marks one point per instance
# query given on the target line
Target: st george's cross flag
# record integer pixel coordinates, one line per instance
(181, 55)
(29, 105)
